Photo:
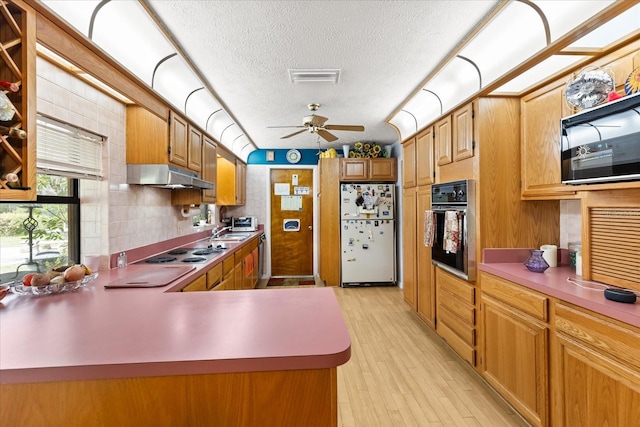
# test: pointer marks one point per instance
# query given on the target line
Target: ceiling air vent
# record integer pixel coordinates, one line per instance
(305, 75)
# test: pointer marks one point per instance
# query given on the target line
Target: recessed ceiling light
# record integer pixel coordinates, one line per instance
(314, 75)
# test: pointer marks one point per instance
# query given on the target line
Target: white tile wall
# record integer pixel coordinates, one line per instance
(115, 216)
(570, 222)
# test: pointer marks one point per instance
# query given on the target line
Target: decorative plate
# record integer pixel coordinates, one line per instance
(589, 89)
(293, 156)
(54, 289)
(632, 85)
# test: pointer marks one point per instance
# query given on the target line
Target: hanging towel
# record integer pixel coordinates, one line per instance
(451, 240)
(429, 227)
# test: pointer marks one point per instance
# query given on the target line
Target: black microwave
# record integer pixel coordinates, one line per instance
(602, 144)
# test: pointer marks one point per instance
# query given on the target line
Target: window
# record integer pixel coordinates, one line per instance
(37, 236)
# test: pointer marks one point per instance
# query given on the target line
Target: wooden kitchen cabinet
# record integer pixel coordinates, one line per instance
(154, 140)
(515, 346)
(195, 149)
(214, 276)
(329, 257)
(442, 130)
(209, 168)
(365, 169)
(198, 285)
(241, 183)
(18, 156)
(426, 293)
(423, 162)
(541, 114)
(596, 370)
(456, 314)
(409, 163)
(462, 132)
(409, 206)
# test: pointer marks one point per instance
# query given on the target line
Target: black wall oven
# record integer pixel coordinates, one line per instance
(453, 222)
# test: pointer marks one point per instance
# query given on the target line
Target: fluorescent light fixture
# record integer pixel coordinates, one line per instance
(81, 74)
(311, 75)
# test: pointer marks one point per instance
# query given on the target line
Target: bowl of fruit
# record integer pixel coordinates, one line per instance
(58, 280)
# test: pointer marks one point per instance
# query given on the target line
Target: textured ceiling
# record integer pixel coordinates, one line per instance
(384, 50)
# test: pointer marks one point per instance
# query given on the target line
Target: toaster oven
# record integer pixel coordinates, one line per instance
(244, 223)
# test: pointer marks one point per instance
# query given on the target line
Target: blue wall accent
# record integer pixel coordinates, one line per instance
(259, 157)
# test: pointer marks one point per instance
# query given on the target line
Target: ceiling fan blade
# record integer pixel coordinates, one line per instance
(315, 120)
(280, 127)
(293, 134)
(345, 127)
(326, 135)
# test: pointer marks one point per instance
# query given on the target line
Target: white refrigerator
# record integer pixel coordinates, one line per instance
(367, 229)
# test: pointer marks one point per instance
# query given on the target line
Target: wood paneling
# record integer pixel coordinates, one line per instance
(278, 398)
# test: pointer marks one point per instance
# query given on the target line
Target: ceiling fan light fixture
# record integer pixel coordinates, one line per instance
(314, 75)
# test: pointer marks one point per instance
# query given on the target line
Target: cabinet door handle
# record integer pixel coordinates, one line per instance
(311, 227)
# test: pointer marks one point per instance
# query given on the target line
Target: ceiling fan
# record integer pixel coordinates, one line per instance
(316, 124)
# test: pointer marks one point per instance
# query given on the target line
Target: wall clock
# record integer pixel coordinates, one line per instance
(293, 156)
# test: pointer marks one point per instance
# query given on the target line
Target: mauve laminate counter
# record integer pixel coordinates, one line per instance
(98, 333)
(508, 264)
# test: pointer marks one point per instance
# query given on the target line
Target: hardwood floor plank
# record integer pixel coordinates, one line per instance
(401, 372)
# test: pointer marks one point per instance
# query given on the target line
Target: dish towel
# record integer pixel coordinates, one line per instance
(451, 238)
(429, 227)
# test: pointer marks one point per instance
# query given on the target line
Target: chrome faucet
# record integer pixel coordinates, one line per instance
(215, 233)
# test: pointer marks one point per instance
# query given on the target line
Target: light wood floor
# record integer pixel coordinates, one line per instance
(402, 374)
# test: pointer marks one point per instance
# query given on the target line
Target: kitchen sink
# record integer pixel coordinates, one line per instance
(233, 237)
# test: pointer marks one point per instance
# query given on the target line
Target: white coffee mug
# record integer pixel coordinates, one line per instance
(550, 254)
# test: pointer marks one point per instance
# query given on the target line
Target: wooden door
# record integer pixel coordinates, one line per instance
(443, 141)
(409, 163)
(462, 129)
(292, 250)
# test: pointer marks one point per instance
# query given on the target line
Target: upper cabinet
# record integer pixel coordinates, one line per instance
(153, 140)
(443, 141)
(365, 169)
(231, 180)
(541, 114)
(454, 136)
(462, 132)
(209, 168)
(18, 65)
(409, 163)
(424, 171)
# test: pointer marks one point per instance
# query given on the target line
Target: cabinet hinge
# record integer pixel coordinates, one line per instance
(169, 149)
(473, 113)
(434, 174)
(473, 145)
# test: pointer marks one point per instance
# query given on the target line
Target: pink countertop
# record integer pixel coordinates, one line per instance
(98, 333)
(508, 264)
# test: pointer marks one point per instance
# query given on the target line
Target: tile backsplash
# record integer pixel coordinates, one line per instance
(115, 216)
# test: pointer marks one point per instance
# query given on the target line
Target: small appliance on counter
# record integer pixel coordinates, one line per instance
(244, 223)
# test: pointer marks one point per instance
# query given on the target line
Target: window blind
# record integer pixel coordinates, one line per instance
(68, 151)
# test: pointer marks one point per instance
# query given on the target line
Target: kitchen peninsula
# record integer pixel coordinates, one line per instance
(153, 356)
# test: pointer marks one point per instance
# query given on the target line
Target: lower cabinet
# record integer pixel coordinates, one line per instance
(597, 370)
(456, 314)
(515, 346)
(198, 285)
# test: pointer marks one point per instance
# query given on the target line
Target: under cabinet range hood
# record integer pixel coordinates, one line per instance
(165, 176)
